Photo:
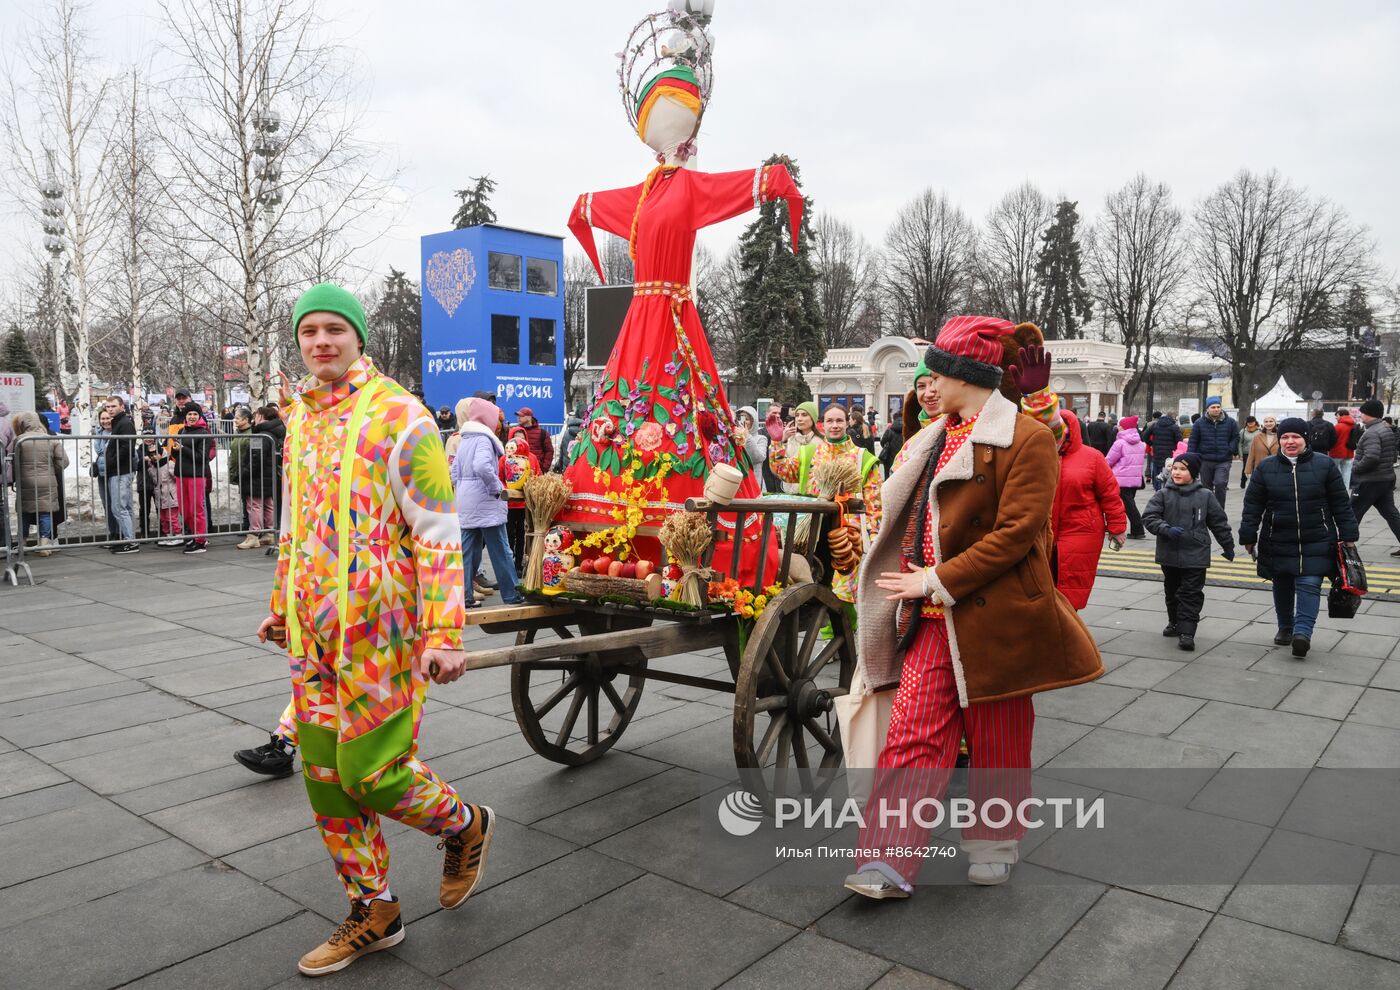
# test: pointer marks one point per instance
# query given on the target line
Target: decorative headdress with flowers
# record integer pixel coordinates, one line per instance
(668, 56)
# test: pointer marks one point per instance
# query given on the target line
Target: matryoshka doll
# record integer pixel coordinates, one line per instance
(558, 559)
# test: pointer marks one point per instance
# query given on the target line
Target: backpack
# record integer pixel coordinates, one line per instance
(1353, 435)
(1321, 435)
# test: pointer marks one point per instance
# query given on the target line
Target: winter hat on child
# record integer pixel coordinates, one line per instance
(1373, 408)
(970, 349)
(1192, 462)
(327, 298)
(1128, 423)
(1293, 425)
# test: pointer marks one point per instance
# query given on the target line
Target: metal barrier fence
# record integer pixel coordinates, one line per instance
(123, 492)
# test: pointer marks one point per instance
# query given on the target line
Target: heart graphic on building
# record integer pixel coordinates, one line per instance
(451, 275)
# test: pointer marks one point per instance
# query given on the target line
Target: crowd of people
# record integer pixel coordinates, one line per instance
(153, 473)
(971, 510)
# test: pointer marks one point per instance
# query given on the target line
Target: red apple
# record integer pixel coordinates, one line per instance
(615, 568)
(601, 563)
(629, 570)
(585, 567)
(644, 567)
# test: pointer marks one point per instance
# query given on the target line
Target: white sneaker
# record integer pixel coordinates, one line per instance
(988, 874)
(875, 885)
(250, 542)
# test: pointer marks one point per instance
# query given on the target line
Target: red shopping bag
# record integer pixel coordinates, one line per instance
(1351, 573)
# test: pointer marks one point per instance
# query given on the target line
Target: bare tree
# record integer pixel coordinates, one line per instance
(719, 300)
(618, 268)
(1007, 253)
(55, 122)
(266, 165)
(928, 269)
(847, 282)
(1268, 259)
(578, 276)
(1137, 260)
(135, 201)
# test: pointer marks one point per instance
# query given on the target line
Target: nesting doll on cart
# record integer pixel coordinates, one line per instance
(659, 420)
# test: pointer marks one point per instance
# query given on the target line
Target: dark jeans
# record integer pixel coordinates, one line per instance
(113, 533)
(1295, 602)
(43, 520)
(1215, 476)
(1381, 496)
(1185, 591)
(1158, 463)
(515, 534)
(1129, 497)
(502, 562)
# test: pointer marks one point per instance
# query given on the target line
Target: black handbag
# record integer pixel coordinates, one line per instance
(1342, 604)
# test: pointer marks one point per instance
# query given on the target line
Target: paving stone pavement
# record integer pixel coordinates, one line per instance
(136, 853)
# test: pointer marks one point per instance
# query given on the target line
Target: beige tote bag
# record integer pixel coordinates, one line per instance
(864, 717)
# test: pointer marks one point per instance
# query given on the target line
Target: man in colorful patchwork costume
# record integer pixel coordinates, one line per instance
(368, 598)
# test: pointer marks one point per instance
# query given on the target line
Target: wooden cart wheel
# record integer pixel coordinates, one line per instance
(783, 696)
(595, 695)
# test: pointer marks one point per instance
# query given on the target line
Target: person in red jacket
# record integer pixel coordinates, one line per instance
(541, 443)
(1087, 505)
(1343, 452)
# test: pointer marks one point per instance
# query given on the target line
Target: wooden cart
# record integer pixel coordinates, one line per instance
(575, 691)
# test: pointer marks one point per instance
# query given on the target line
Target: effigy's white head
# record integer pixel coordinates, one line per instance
(670, 128)
(665, 78)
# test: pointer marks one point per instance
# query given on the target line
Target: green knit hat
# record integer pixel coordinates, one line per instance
(327, 298)
(810, 408)
(922, 370)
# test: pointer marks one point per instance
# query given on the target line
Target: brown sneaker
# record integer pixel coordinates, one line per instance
(369, 928)
(465, 859)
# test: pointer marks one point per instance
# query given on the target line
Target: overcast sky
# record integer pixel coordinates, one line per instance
(875, 100)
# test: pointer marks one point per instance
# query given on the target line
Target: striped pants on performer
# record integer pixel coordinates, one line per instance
(926, 727)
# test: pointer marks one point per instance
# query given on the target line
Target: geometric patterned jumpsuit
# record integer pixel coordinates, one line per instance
(370, 547)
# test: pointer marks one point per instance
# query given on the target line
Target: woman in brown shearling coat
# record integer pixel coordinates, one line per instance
(992, 510)
(959, 609)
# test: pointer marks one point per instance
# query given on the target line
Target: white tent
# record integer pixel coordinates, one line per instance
(1280, 401)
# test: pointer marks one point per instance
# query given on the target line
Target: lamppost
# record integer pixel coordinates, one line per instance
(51, 194)
(267, 147)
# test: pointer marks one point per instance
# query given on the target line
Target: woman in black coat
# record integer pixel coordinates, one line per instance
(1296, 511)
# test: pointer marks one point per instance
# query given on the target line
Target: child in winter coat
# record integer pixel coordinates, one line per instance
(1126, 457)
(1183, 515)
(167, 501)
(517, 466)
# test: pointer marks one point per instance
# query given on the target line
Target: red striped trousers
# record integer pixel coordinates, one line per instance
(926, 726)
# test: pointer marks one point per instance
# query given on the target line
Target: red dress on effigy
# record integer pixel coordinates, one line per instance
(659, 418)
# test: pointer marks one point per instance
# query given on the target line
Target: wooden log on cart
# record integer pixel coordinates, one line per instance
(653, 641)
(513, 618)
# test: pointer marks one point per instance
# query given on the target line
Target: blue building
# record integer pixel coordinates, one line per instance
(493, 319)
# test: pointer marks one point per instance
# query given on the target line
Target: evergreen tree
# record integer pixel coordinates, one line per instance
(778, 310)
(1065, 303)
(17, 359)
(475, 208)
(396, 329)
(1354, 315)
